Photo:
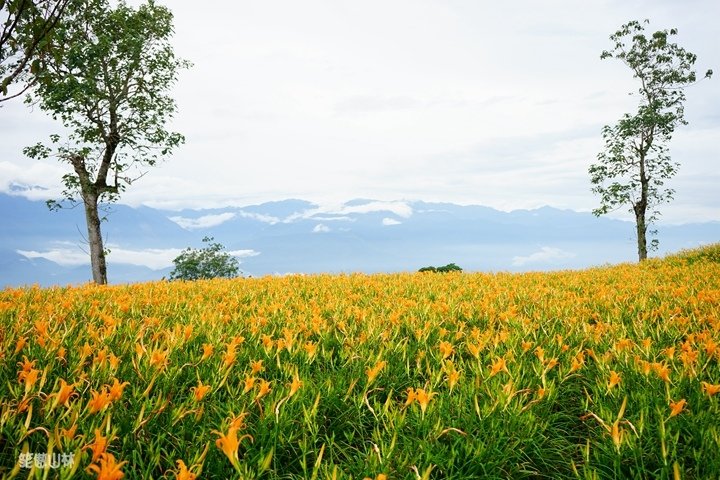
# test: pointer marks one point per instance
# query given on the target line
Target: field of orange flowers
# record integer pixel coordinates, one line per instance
(610, 372)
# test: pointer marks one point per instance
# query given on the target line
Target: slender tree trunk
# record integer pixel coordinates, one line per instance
(97, 251)
(91, 192)
(641, 227)
(640, 209)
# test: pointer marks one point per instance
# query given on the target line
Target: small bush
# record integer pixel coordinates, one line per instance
(205, 263)
(450, 267)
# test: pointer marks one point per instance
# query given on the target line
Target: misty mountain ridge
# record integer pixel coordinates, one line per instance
(297, 236)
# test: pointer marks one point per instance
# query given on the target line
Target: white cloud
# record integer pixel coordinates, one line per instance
(153, 258)
(39, 180)
(340, 211)
(205, 221)
(367, 116)
(390, 221)
(332, 219)
(62, 256)
(399, 208)
(543, 256)
(320, 228)
(259, 217)
(243, 253)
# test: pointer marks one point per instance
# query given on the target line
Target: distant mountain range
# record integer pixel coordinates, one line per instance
(296, 236)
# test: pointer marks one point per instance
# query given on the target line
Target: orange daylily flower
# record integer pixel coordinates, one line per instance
(99, 401)
(229, 442)
(474, 349)
(86, 350)
(101, 356)
(663, 371)
(689, 357)
(310, 349)
(187, 332)
(452, 378)
(183, 473)
(65, 392)
(116, 390)
(249, 384)
(267, 341)
(577, 362)
(411, 396)
(256, 366)
(295, 385)
(200, 391)
(614, 379)
(446, 349)
(710, 389)
(264, 389)
(114, 361)
(677, 407)
(498, 366)
(108, 469)
(26, 365)
(28, 378)
(208, 350)
(159, 359)
(420, 396)
(710, 347)
(20, 344)
(645, 366)
(423, 398)
(373, 372)
(98, 446)
(624, 344)
(69, 433)
(229, 356)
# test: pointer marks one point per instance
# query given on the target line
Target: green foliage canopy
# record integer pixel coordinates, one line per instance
(26, 27)
(450, 267)
(107, 81)
(635, 163)
(106, 77)
(211, 261)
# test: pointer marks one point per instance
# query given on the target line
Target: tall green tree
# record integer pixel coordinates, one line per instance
(635, 163)
(25, 30)
(107, 81)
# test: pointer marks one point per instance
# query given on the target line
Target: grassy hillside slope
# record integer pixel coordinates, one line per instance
(610, 372)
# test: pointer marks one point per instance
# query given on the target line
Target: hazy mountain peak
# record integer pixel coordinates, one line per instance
(39, 246)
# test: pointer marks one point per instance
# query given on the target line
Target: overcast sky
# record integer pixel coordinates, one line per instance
(465, 101)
